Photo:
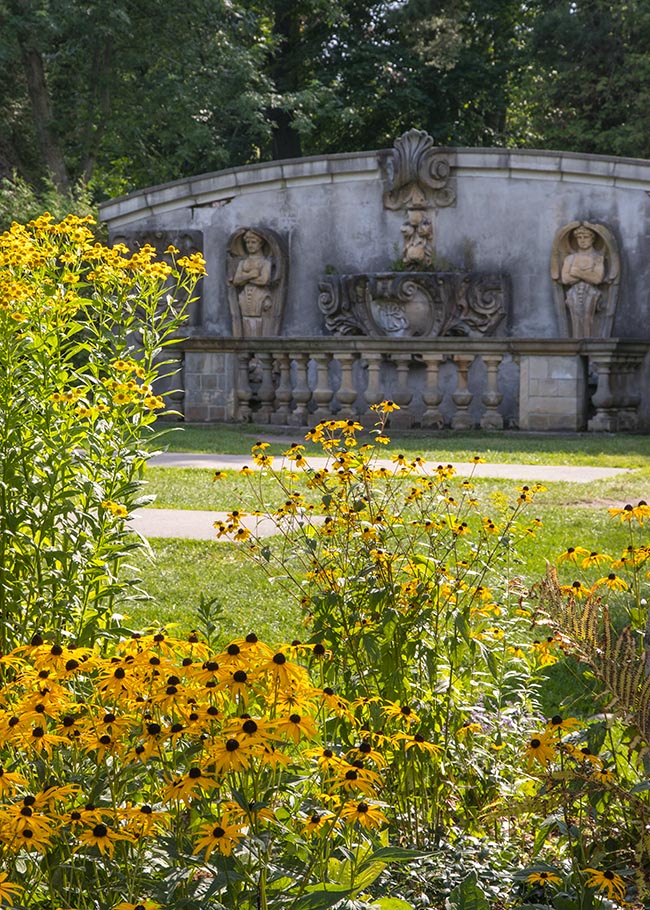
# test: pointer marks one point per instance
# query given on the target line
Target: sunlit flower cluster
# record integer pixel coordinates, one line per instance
(164, 729)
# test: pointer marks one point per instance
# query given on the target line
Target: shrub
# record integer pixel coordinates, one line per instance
(82, 329)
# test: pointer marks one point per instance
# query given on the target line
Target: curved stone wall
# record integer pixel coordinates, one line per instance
(519, 245)
(330, 215)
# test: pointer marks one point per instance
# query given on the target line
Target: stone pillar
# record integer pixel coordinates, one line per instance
(373, 389)
(301, 392)
(402, 419)
(492, 398)
(283, 390)
(323, 393)
(346, 394)
(552, 392)
(243, 388)
(266, 391)
(432, 396)
(462, 397)
(616, 398)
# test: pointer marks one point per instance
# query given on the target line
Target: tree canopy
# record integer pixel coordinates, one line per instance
(107, 98)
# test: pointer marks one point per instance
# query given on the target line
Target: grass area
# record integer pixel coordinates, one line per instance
(512, 447)
(194, 488)
(179, 572)
(572, 514)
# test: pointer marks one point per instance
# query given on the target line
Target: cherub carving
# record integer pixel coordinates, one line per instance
(256, 283)
(585, 266)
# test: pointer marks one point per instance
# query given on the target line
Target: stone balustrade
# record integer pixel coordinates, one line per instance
(461, 383)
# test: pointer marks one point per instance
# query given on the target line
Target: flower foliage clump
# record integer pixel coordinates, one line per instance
(409, 578)
(82, 330)
(177, 773)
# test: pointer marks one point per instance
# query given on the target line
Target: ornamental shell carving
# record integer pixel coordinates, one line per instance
(415, 170)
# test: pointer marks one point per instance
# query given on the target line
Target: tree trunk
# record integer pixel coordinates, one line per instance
(285, 69)
(42, 112)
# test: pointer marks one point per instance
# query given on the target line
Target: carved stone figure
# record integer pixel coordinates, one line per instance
(585, 267)
(417, 232)
(417, 177)
(256, 282)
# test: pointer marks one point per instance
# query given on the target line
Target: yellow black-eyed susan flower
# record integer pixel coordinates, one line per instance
(364, 814)
(608, 881)
(540, 748)
(543, 878)
(218, 835)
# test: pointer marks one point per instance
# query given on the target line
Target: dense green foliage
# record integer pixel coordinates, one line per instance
(128, 96)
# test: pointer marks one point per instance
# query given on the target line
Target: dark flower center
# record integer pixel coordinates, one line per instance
(232, 745)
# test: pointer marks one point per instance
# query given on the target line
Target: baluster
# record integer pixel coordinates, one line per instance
(244, 390)
(462, 397)
(492, 398)
(266, 391)
(604, 420)
(373, 393)
(346, 394)
(403, 393)
(283, 390)
(323, 393)
(431, 395)
(301, 393)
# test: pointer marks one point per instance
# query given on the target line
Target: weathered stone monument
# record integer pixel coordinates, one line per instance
(474, 287)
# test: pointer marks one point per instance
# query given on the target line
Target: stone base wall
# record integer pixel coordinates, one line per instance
(209, 386)
(555, 385)
(553, 393)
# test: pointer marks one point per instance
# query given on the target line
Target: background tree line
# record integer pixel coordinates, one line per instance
(100, 97)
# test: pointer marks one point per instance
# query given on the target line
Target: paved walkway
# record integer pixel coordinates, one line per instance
(199, 525)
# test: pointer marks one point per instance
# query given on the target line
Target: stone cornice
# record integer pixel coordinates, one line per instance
(216, 189)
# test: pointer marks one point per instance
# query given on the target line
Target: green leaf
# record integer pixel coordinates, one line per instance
(391, 903)
(468, 895)
(394, 855)
(320, 898)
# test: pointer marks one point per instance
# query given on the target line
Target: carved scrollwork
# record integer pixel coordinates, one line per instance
(416, 168)
(413, 304)
(481, 303)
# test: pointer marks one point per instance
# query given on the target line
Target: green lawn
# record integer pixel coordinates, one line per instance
(183, 571)
(604, 449)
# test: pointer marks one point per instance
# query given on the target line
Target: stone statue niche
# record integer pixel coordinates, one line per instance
(256, 273)
(586, 268)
